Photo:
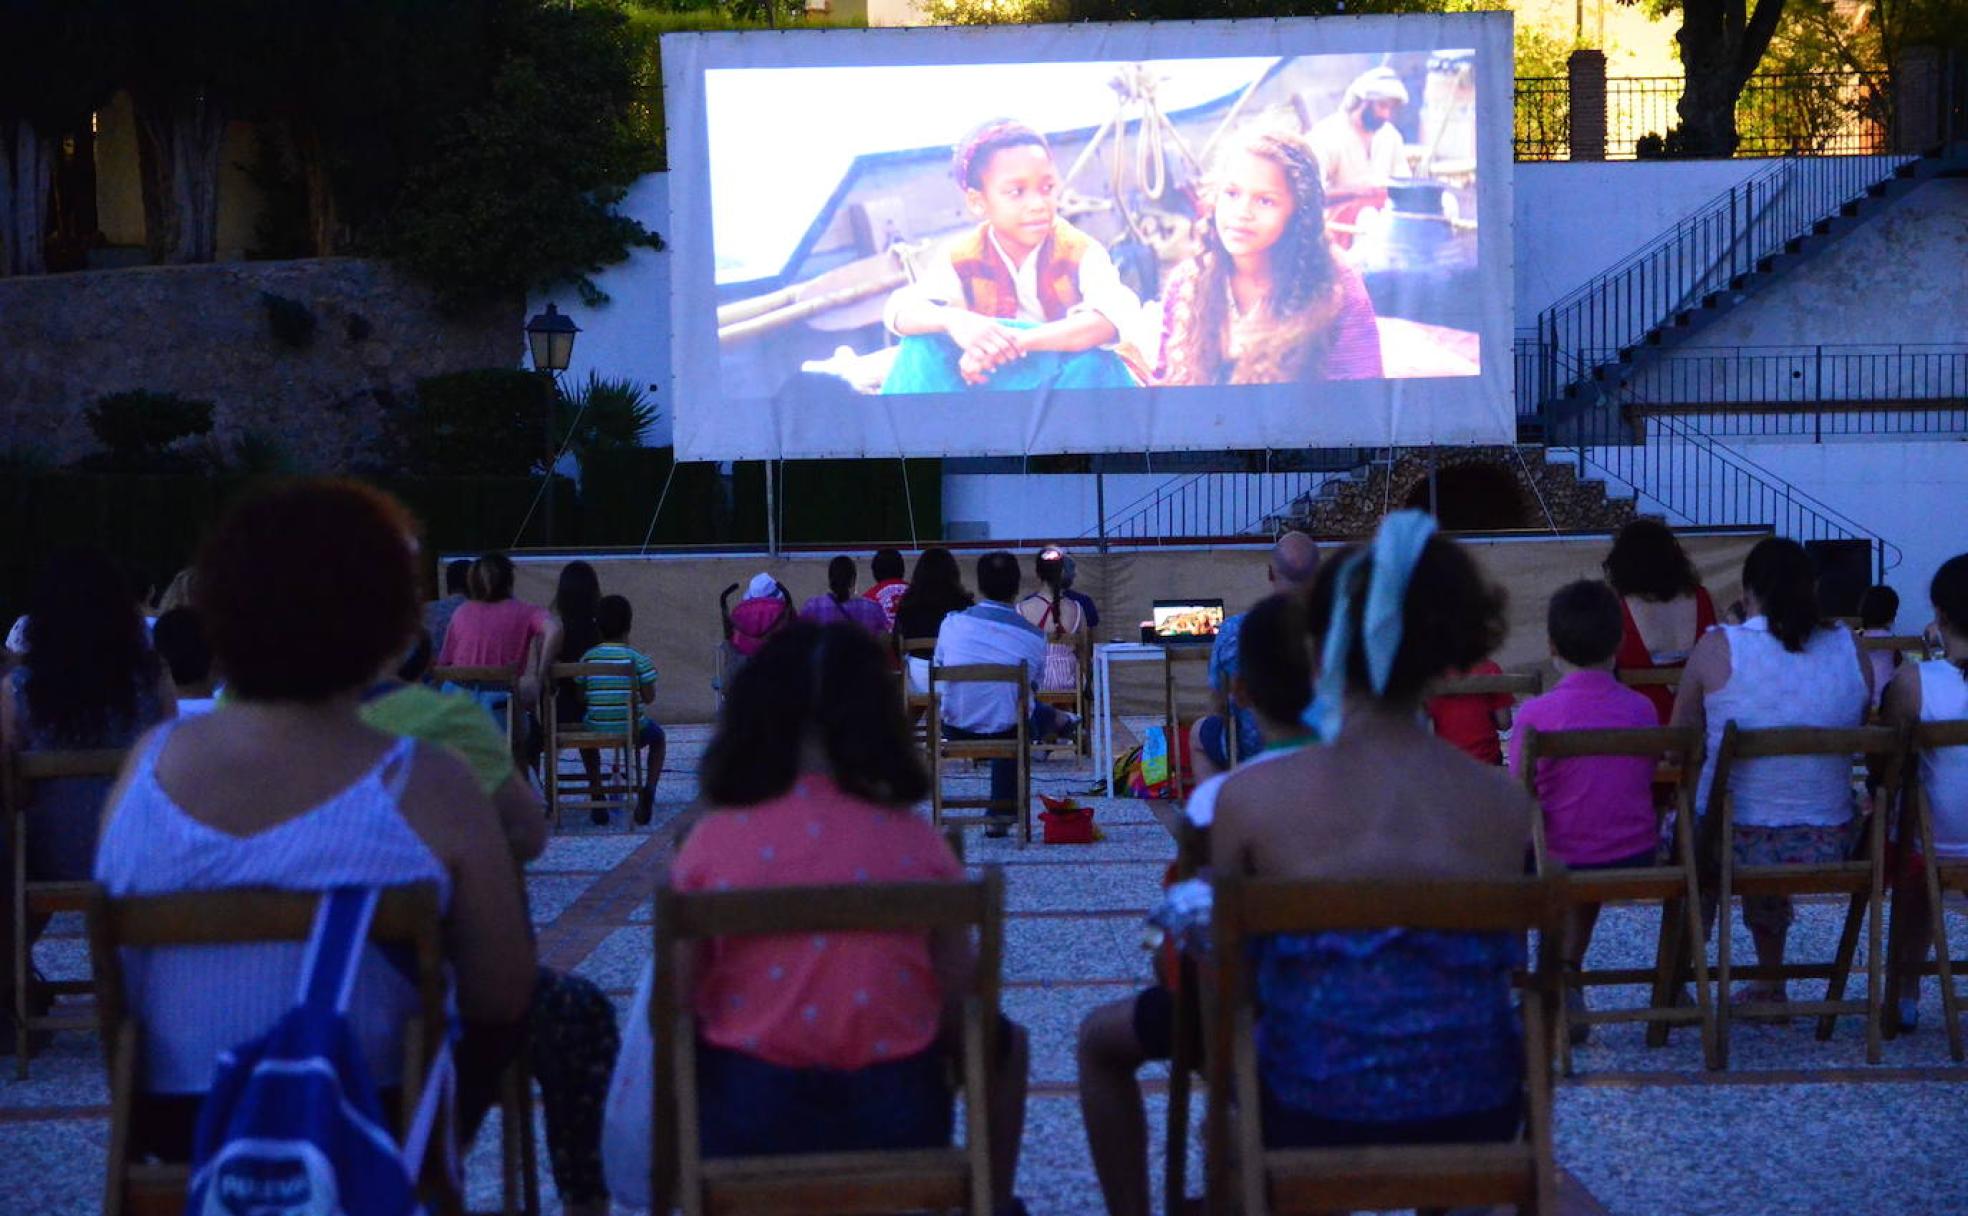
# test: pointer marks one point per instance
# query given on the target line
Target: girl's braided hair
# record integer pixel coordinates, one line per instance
(974, 151)
(1304, 273)
(1949, 592)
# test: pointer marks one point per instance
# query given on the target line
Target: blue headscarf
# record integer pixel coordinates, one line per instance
(1396, 548)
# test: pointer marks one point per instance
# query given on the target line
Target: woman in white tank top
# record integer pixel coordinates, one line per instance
(308, 591)
(1779, 668)
(1934, 691)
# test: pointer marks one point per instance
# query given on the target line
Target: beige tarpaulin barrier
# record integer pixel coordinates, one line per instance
(677, 625)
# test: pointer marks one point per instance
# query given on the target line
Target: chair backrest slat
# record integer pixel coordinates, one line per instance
(53, 765)
(1765, 743)
(489, 677)
(979, 673)
(1652, 677)
(1261, 906)
(242, 916)
(1929, 735)
(575, 671)
(1517, 684)
(1684, 741)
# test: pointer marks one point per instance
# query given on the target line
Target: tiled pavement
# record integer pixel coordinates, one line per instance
(1795, 1126)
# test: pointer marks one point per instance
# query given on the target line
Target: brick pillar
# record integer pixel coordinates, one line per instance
(1585, 77)
(1918, 106)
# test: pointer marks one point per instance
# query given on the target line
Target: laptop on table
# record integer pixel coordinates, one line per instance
(1178, 622)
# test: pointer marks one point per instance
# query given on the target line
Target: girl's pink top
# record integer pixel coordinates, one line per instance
(839, 1001)
(492, 635)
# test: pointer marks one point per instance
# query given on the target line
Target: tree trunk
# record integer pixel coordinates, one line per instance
(26, 176)
(324, 221)
(1721, 44)
(179, 142)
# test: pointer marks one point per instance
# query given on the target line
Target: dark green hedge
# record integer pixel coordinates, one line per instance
(152, 523)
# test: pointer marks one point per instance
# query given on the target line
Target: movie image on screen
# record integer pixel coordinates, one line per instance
(1254, 221)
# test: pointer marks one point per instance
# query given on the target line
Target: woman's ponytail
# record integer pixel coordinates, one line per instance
(840, 579)
(1779, 573)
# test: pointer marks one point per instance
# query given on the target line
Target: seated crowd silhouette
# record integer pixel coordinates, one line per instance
(298, 806)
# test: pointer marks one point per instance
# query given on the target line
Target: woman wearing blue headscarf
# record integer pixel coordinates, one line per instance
(1392, 1036)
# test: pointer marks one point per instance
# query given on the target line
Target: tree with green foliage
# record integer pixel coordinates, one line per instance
(521, 187)
(1722, 42)
(59, 60)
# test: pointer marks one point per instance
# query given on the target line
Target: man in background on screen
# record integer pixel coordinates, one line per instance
(1359, 149)
(1294, 564)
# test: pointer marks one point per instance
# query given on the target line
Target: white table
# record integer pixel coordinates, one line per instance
(1105, 655)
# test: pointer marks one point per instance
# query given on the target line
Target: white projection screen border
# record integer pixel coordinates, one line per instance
(815, 213)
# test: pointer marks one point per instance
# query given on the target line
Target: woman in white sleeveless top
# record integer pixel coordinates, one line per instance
(1933, 691)
(1779, 668)
(308, 592)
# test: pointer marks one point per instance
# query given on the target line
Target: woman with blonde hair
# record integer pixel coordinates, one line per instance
(1265, 299)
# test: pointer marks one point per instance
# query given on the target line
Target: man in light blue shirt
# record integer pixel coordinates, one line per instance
(992, 631)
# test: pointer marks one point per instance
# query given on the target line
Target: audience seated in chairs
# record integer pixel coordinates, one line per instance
(989, 633)
(309, 591)
(934, 593)
(577, 592)
(1415, 1038)
(890, 584)
(840, 605)
(1598, 810)
(438, 613)
(1471, 721)
(1933, 691)
(1056, 615)
(609, 701)
(1879, 607)
(814, 1044)
(1294, 564)
(1665, 609)
(1116, 1039)
(1779, 668)
(1090, 609)
(494, 629)
(765, 609)
(89, 681)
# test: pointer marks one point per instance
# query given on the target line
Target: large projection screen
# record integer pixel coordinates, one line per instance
(1084, 238)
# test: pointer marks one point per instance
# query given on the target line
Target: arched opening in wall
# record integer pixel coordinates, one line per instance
(1475, 498)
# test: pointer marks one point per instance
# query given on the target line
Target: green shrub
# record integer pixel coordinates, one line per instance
(138, 427)
(489, 422)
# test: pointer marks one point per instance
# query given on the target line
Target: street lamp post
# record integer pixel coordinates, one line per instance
(550, 339)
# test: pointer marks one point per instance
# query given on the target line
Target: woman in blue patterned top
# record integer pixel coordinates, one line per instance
(1394, 1036)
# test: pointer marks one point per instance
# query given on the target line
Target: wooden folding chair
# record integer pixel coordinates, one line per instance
(1673, 887)
(1652, 677)
(1184, 654)
(406, 916)
(1016, 747)
(1073, 700)
(1515, 683)
(1186, 1011)
(1939, 874)
(20, 772)
(1243, 1172)
(821, 1184)
(493, 680)
(1861, 879)
(620, 745)
(916, 703)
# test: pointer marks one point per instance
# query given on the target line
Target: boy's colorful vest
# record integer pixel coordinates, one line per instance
(988, 287)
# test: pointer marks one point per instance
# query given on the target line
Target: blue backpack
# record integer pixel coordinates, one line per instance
(292, 1125)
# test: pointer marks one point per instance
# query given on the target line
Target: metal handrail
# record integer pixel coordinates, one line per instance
(1209, 504)
(1710, 251)
(1726, 487)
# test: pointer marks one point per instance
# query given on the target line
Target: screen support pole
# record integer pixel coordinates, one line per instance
(1100, 498)
(771, 513)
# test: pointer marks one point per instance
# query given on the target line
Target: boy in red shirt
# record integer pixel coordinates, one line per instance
(1472, 721)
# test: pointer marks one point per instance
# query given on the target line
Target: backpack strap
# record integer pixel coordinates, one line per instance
(334, 950)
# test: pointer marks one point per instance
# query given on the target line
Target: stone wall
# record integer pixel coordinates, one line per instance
(1546, 496)
(203, 332)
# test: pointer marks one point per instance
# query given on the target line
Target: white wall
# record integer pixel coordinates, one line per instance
(1577, 218)
(1895, 279)
(1042, 507)
(630, 334)
(1910, 492)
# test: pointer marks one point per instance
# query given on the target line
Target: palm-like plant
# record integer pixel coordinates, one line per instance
(603, 414)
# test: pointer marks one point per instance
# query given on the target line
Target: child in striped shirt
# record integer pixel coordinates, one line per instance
(611, 699)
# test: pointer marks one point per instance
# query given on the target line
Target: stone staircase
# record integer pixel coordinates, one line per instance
(1550, 496)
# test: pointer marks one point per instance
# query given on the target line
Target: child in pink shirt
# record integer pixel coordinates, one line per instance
(816, 1043)
(1598, 810)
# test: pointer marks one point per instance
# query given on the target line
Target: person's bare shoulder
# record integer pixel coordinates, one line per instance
(444, 804)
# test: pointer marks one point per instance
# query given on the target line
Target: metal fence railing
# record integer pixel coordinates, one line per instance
(1679, 470)
(1779, 114)
(1822, 389)
(1209, 505)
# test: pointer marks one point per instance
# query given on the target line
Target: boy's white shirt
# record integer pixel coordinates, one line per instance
(1101, 289)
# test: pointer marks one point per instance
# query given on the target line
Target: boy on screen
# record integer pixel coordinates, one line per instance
(1022, 301)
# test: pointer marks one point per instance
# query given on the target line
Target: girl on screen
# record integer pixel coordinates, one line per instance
(1024, 300)
(1265, 299)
